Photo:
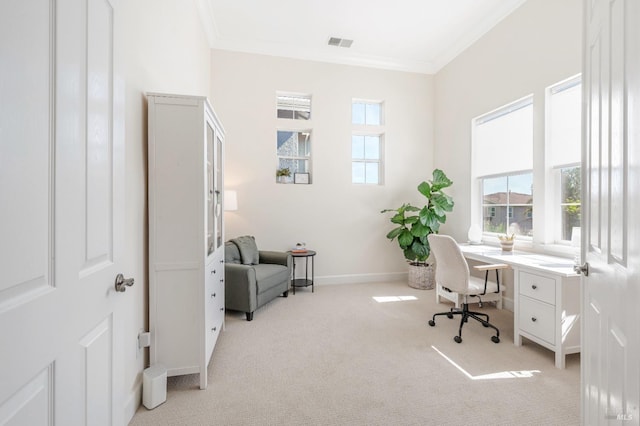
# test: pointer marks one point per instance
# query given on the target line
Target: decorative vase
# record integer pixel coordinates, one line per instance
(507, 245)
(421, 276)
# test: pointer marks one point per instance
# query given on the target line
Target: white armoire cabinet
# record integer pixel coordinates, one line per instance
(186, 239)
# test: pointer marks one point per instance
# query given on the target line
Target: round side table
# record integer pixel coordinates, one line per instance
(303, 282)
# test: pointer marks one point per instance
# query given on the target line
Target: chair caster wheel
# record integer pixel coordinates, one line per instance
(458, 339)
(485, 324)
(450, 315)
(432, 323)
(495, 339)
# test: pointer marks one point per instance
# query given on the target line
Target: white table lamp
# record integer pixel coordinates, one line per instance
(474, 234)
(230, 200)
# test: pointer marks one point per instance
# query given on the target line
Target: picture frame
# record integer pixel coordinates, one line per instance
(302, 178)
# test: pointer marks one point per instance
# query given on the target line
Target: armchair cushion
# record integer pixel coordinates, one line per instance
(270, 275)
(248, 249)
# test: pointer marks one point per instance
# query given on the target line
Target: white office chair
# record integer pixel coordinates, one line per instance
(452, 274)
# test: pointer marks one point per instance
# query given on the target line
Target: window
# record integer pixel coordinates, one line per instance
(503, 148)
(365, 155)
(502, 163)
(564, 103)
(508, 204)
(293, 140)
(367, 113)
(294, 151)
(297, 107)
(366, 142)
(569, 201)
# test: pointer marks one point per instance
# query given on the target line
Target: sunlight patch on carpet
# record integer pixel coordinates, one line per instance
(386, 299)
(523, 374)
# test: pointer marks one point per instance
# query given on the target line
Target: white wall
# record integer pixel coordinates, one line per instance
(537, 45)
(341, 221)
(163, 49)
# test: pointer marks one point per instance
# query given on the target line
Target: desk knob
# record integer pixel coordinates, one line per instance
(534, 286)
(534, 319)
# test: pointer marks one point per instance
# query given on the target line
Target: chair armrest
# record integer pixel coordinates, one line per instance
(275, 257)
(238, 272)
(491, 267)
(240, 287)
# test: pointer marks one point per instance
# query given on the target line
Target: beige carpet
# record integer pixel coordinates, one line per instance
(339, 357)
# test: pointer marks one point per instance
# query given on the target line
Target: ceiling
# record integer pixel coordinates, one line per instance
(405, 35)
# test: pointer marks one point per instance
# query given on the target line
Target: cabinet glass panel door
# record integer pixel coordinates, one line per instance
(211, 195)
(219, 185)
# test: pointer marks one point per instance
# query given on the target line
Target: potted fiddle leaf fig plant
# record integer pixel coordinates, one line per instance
(413, 224)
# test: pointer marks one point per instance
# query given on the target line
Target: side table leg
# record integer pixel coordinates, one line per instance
(293, 278)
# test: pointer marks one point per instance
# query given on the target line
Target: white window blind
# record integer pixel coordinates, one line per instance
(564, 106)
(503, 140)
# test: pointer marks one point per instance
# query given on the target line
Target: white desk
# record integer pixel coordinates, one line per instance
(546, 297)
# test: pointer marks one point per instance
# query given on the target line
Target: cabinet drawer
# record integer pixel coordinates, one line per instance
(537, 318)
(214, 271)
(211, 337)
(217, 302)
(538, 287)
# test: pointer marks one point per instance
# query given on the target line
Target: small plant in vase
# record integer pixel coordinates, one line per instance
(282, 174)
(506, 241)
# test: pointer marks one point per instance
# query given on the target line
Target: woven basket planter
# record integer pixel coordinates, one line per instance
(422, 276)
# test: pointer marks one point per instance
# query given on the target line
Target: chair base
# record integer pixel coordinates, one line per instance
(465, 314)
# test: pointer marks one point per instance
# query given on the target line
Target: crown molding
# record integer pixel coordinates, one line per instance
(343, 56)
(347, 57)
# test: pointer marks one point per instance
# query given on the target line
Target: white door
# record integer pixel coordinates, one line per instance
(611, 222)
(61, 183)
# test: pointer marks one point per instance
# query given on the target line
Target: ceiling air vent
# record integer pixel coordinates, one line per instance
(340, 42)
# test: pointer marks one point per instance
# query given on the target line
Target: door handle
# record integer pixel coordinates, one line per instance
(122, 283)
(582, 269)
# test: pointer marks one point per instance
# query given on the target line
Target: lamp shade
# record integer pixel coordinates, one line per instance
(230, 200)
(475, 234)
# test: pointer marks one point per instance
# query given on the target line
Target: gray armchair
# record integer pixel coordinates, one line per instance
(254, 279)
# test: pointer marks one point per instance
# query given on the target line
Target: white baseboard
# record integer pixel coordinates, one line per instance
(361, 278)
(507, 303)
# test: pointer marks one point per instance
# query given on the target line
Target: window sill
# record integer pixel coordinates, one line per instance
(527, 244)
(559, 250)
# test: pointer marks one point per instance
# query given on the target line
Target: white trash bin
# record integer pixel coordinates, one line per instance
(154, 386)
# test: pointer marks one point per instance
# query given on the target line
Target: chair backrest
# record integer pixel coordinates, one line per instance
(452, 270)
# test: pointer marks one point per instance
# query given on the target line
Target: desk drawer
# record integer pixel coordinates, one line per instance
(537, 318)
(538, 287)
